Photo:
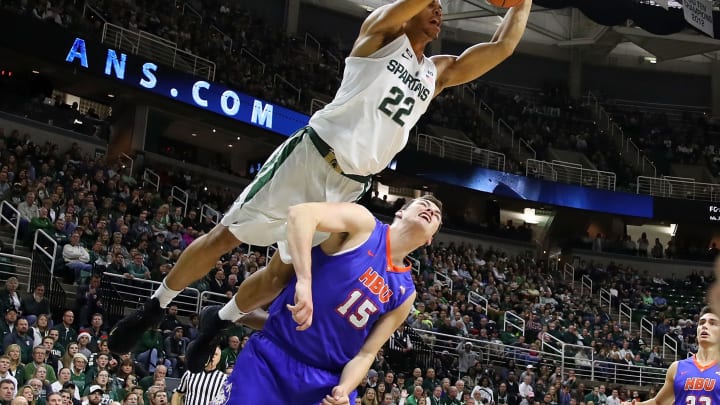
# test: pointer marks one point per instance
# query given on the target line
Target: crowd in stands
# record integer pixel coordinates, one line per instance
(685, 137)
(688, 249)
(105, 221)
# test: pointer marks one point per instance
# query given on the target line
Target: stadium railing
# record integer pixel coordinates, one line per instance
(46, 247)
(513, 323)
(206, 210)
(11, 216)
(630, 151)
(211, 298)
(605, 300)
(152, 178)
(669, 348)
(459, 150)
(158, 49)
(678, 187)
(42, 271)
(478, 300)
(112, 302)
(618, 373)
(15, 266)
(496, 353)
(551, 344)
(136, 291)
(586, 285)
(245, 53)
(625, 313)
(444, 280)
(316, 104)
(181, 196)
(127, 162)
(569, 270)
(647, 328)
(570, 173)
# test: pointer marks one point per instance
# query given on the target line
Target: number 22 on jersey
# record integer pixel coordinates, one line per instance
(390, 105)
(359, 315)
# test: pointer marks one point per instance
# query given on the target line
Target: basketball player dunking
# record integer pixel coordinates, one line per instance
(363, 289)
(387, 85)
(694, 381)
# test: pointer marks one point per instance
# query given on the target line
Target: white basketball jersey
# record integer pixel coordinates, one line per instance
(380, 99)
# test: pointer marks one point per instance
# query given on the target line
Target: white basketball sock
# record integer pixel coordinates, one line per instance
(164, 294)
(231, 312)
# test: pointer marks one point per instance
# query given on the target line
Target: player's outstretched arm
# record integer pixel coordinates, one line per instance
(479, 59)
(357, 368)
(388, 19)
(385, 24)
(666, 395)
(303, 221)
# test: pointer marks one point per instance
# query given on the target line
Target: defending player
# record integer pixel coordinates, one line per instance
(694, 381)
(387, 85)
(362, 288)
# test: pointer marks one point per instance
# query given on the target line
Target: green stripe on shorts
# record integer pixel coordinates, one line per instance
(273, 164)
(366, 188)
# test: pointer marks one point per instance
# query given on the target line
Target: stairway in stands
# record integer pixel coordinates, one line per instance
(17, 263)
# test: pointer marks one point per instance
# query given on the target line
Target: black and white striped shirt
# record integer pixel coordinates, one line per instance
(200, 388)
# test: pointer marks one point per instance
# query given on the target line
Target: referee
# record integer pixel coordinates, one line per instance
(200, 388)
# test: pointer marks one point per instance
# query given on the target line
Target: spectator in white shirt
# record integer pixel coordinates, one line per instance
(28, 209)
(77, 258)
(613, 399)
(526, 392)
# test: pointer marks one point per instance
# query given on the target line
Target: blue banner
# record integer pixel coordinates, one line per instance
(523, 187)
(163, 81)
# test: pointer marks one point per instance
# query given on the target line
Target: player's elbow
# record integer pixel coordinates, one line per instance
(505, 48)
(298, 212)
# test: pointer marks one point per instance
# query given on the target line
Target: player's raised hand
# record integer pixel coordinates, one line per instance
(338, 397)
(302, 311)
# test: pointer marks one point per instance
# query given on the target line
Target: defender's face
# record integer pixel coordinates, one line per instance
(425, 215)
(708, 328)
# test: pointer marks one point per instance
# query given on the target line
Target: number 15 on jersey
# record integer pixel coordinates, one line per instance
(358, 315)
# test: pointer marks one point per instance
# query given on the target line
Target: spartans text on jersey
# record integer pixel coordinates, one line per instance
(413, 83)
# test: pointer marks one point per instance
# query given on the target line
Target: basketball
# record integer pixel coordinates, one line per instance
(505, 3)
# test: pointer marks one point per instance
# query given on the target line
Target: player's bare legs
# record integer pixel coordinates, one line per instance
(198, 258)
(261, 287)
(258, 290)
(194, 263)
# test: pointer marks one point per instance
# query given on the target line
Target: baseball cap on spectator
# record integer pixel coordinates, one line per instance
(95, 388)
(530, 366)
(372, 373)
(11, 309)
(80, 356)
